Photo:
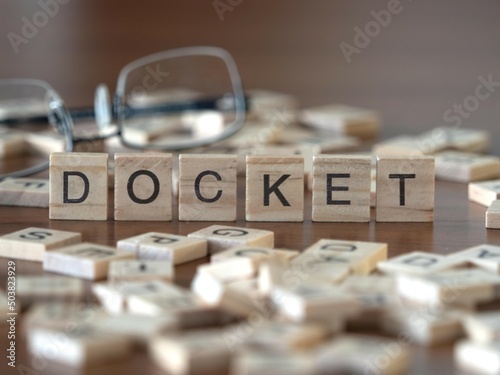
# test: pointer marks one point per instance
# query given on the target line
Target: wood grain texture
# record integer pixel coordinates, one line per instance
(78, 186)
(341, 188)
(143, 187)
(275, 188)
(207, 187)
(405, 189)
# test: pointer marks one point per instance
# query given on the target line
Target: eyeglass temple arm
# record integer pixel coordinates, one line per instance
(89, 113)
(205, 104)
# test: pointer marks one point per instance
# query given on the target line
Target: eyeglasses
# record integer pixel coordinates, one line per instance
(169, 101)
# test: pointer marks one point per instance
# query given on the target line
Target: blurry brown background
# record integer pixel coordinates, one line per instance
(427, 58)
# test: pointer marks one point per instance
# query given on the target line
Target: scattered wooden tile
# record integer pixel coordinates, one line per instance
(483, 327)
(83, 347)
(85, 260)
(24, 192)
(113, 296)
(207, 187)
(274, 188)
(418, 263)
(137, 328)
(329, 268)
(358, 122)
(360, 257)
(256, 254)
(405, 189)
(483, 256)
(188, 310)
(405, 145)
(130, 270)
(11, 144)
(267, 105)
(195, 352)
(314, 301)
(328, 144)
(45, 142)
(48, 288)
(463, 139)
(237, 268)
(259, 362)
(424, 326)
(278, 336)
(78, 186)
(221, 237)
(450, 287)
(466, 167)
(376, 297)
(271, 275)
(165, 247)
(143, 187)
(248, 287)
(478, 358)
(207, 123)
(493, 215)
(33, 243)
(59, 315)
(144, 131)
(485, 192)
(343, 354)
(211, 287)
(341, 188)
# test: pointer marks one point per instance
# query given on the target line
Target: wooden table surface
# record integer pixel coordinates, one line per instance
(429, 56)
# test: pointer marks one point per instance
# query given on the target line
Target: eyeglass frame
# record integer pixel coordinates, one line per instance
(105, 112)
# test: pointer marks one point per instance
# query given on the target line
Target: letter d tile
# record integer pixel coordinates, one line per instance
(78, 186)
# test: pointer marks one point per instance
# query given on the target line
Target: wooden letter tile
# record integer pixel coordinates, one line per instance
(483, 327)
(131, 270)
(424, 326)
(195, 352)
(11, 144)
(24, 192)
(418, 263)
(32, 243)
(461, 286)
(83, 347)
(493, 215)
(485, 192)
(275, 188)
(256, 254)
(48, 288)
(85, 260)
(360, 257)
(483, 256)
(358, 122)
(207, 187)
(466, 167)
(78, 186)
(341, 188)
(342, 355)
(143, 187)
(405, 189)
(478, 358)
(268, 362)
(221, 238)
(165, 247)
(114, 296)
(180, 303)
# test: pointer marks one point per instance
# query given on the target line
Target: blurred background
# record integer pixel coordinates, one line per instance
(412, 66)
